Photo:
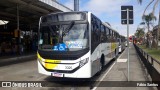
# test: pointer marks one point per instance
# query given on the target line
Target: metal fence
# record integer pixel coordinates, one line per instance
(152, 65)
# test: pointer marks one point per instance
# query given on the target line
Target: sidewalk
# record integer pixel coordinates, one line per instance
(119, 73)
(13, 59)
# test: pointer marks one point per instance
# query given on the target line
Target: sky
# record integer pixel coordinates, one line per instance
(110, 11)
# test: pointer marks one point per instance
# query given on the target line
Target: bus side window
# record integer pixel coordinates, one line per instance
(93, 30)
(102, 36)
(107, 34)
(96, 31)
(113, 38)
(111, 35)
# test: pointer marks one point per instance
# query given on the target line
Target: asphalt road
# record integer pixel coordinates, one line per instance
(28, 71)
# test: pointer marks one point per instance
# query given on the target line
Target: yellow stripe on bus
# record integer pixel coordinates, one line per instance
(50, 66)
(49, 63)
(113, 46)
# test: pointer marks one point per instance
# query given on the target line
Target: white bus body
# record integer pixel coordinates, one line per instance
(78, 64)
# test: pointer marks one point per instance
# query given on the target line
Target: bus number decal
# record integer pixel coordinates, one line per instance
(68, 67)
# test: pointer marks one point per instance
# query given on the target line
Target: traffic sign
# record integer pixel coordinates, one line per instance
(124, 14)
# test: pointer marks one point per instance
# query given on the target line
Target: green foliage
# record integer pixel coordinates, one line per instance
(148, 18)
(152, 52)
(142, 23)
(139, 33)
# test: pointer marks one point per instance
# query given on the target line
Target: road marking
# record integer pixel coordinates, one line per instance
(103, 77)
(106, 73)
(121, 60)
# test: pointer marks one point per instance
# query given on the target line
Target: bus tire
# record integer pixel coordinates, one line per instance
(102, 62)
(115, 53)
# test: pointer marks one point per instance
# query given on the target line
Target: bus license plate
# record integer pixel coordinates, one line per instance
(55, 74)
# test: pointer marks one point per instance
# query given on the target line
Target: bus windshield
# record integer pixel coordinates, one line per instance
(70, 37)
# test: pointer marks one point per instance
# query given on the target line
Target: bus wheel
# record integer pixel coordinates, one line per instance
(115, 53)
(102, 62)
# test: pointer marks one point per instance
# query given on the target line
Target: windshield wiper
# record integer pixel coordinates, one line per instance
(52, 31)
(68, 28)
(50, 28)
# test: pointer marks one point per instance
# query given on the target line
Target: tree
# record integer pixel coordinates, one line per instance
(152, 14)
(140, 34)
(148, 19)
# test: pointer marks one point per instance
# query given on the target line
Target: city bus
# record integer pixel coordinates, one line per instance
(74, 44)
(122, 43)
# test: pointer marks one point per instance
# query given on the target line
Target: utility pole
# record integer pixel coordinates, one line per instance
(76, 5)
(19, 32)
(128, 40)
(158, 27)
(127, 18)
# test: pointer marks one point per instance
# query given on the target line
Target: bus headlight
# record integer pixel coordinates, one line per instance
(83, 62)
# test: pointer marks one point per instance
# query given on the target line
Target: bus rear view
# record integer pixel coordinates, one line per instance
(63, 46)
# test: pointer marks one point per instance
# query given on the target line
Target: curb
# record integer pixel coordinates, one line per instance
(18, 59)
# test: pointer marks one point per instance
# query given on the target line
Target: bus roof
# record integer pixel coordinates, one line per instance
(66, 12)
